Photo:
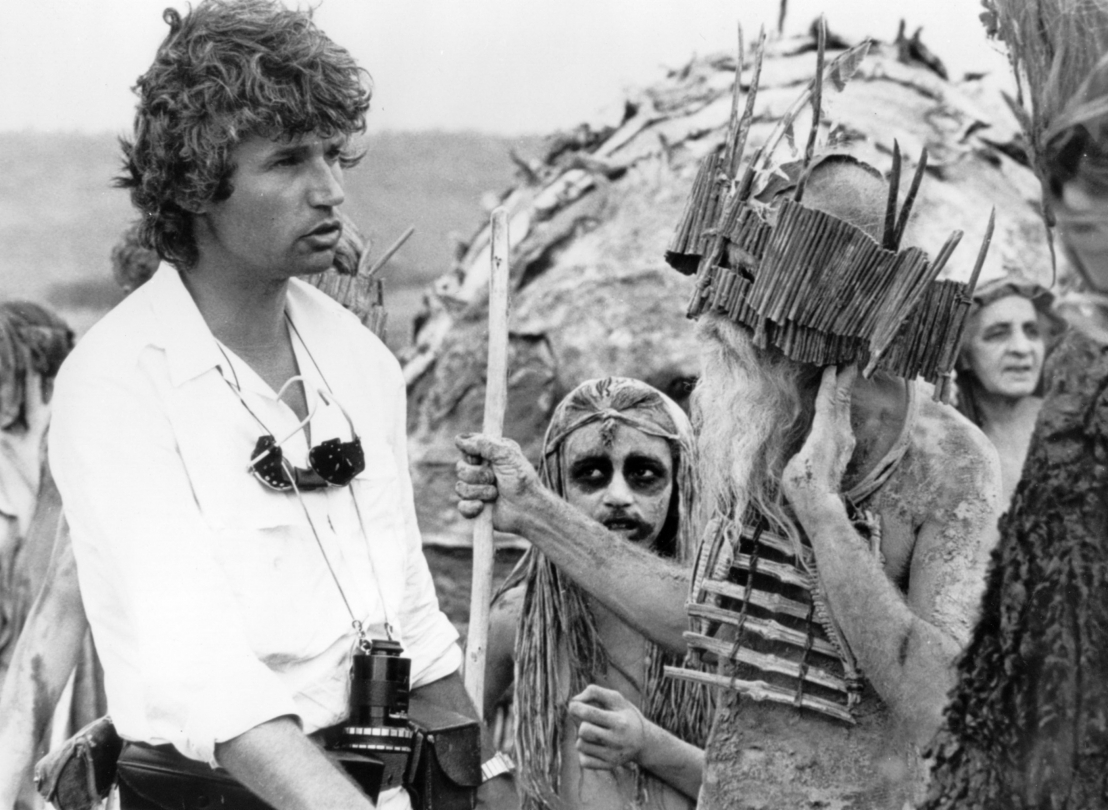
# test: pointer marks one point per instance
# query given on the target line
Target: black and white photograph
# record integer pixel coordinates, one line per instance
(579, 405)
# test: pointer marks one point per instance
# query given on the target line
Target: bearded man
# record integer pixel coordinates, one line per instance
(889, 607)
(839, 575)
(597, 725)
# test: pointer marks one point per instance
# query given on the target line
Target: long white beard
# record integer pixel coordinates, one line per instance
(749, 415)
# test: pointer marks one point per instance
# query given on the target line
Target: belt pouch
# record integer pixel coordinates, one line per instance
(79, 774)
(446, 758)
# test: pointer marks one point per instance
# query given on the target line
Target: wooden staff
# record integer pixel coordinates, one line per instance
(496, 400)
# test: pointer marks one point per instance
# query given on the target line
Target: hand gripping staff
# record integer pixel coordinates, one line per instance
(496, 399)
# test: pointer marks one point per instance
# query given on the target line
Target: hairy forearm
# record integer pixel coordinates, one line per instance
(674, 761)
(450, 693)
(286, 769)
(646, 592)
(907, 659)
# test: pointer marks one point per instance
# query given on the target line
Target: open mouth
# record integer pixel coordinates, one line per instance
(326, 228)
(326, 234)
(623, 525)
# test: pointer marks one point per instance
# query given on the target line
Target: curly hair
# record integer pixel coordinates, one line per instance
(227, 70)
(133, 263)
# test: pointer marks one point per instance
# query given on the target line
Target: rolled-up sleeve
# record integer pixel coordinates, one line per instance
(180, 668)
(430, 638)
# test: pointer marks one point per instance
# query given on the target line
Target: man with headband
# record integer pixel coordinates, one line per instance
(850, 517)
(621, 453)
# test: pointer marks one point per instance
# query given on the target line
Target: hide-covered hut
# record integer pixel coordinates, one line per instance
(590, 222)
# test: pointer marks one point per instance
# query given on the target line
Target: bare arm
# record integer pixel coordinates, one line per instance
(500, 658)
(905, 647)
(646, 592)
(612, 732)
(286, 769)
(44, 658)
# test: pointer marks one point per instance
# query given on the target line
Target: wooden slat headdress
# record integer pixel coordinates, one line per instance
(820, 289)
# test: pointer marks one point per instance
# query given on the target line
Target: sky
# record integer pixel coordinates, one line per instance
(510, 67)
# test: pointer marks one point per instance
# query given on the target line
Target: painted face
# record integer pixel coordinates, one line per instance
(1005, 350)
(625, 484)
(280, 220)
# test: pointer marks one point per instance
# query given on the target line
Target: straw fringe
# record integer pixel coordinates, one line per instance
(819, 289)
(559, 650)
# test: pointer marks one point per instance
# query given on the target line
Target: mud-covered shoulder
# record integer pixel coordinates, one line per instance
(950, 468)
(946, 492)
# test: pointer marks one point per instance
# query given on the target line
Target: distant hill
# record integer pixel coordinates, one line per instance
(59, 215)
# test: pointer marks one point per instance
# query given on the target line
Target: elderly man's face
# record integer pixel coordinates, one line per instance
(625, 483)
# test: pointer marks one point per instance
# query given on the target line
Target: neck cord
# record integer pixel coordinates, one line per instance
(237, 386)
(354, 621)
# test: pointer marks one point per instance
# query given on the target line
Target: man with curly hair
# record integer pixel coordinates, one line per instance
(229, 442)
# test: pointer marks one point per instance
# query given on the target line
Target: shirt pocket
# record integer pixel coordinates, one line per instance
(216, 446)
(236, 501)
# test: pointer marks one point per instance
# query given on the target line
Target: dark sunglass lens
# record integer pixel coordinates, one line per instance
(337, 462)
(270, 469)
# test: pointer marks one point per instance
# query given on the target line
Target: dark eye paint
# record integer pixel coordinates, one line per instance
(591, 473)
(645, 473)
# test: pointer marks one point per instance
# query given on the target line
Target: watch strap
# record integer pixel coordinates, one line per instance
(496, 765)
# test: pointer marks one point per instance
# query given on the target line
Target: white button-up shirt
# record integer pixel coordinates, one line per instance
(211, 603)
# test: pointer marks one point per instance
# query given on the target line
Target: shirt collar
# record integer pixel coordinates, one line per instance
(191, 348)
(189, 345)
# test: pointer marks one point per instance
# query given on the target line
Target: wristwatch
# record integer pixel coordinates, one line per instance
(496, 765)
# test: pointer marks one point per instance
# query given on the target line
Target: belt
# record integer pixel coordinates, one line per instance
(158, 777)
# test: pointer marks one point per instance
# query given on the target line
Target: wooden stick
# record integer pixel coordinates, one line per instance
(496, 400)
(733, 120)
(817, 93)
(888, 241)
(906, 209)
(395, 246)
(981, 254)
(748, 113)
